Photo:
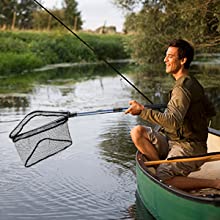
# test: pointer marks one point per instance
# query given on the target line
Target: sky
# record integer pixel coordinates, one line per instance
(94, 13)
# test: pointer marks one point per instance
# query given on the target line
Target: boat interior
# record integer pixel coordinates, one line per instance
(210, 170)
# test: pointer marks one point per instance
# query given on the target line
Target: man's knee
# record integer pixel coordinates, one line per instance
(137, 132)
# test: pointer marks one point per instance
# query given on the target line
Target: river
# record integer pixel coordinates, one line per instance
(94, 178)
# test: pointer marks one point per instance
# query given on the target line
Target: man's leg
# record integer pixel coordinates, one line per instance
(175, 174)
(141, 140)
(188, 183)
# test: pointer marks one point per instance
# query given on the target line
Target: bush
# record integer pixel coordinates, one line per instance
(16, 63)
(28, 50)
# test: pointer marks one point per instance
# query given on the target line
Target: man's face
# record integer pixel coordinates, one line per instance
(172, 61)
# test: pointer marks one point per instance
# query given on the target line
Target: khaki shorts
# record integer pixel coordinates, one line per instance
(168, 149)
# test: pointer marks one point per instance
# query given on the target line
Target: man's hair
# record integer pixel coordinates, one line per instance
(185, 49)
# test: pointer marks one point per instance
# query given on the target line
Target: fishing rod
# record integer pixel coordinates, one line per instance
(114, 110)
(86, 44)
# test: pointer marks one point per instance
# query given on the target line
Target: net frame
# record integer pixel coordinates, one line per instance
(43, 141)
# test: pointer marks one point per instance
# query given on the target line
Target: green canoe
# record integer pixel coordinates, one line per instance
(166, 202)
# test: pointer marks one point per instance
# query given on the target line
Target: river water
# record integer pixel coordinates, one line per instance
(95, 177)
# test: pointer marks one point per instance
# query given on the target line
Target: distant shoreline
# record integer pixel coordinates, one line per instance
(29, 50)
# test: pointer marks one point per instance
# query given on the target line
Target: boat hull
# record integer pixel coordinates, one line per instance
(165, 202)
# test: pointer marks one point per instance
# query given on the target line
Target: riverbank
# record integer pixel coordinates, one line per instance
(27, 50)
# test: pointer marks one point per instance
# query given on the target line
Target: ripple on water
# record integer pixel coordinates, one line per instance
(68, 189)
(87, 180)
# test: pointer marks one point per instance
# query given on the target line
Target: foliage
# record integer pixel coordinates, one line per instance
(25, 14)
(16, 63)
(24, 50)
(130, 23)
(159, 21)
(69, 15)
(72, 15)
(17, 13)
(128, 4)
(43, 20)
(7, 9)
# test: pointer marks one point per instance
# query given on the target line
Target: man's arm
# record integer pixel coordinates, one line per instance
(173, 116)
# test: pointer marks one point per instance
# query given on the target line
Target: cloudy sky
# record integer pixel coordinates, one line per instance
(95, 13)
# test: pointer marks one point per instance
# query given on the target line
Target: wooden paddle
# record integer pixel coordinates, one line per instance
(206, 158)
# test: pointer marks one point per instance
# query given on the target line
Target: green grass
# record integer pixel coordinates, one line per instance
(25, 50)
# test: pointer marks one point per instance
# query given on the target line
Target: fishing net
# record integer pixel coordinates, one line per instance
(40, 135)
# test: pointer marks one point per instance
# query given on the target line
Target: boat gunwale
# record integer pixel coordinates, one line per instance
(214, 131)
(208, 200)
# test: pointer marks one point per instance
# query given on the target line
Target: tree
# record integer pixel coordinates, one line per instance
(130, 23)
(129, 5)
(25, 9)
(160, 20)
(24, 14)
(43, 20)
(67, 14)
(7, 9)
(16, 13)
(72, 16)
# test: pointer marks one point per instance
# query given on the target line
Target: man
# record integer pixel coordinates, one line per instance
(184, 123)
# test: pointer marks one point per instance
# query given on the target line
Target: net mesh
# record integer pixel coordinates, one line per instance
(40, 135)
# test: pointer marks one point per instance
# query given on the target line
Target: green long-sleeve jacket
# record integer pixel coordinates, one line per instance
(187, 113)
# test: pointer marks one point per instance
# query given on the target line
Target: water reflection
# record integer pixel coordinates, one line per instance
(93, 179)
(140, 211)
(27, 81)
(13, 101)
(116, 144)
(79, 183)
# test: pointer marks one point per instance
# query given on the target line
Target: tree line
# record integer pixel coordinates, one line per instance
(26, 14)
(152, 25)
(158, 21)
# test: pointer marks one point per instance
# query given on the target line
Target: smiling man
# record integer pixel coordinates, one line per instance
(184, 123)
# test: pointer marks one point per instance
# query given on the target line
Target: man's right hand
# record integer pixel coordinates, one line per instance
(135, 108)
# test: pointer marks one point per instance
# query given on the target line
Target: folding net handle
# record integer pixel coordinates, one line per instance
(40, 135)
